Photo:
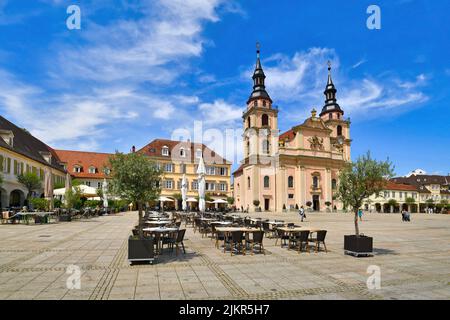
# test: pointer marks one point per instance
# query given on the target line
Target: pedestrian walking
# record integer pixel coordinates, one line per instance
(360, 214)
(301, 211)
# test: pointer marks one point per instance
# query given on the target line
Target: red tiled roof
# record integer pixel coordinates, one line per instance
(85, 160)
(288, 135)
(400, 187)
(154, 149)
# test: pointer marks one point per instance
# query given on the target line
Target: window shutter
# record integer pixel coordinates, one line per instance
(15, 167)
(9, 165)
(1, 163)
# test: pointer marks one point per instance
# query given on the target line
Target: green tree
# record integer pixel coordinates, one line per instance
(59, 185)
(73, 198)
(410, 202)
(430, 203)
(135, 178)
(230, 200)
(359, 180)
(30, 181)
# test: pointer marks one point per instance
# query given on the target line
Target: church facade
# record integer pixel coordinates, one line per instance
(297, 167)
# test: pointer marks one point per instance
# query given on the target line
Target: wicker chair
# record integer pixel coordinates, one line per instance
(282, 236)
(256, 240)
(320, 238)
(299, 239)
(237, 242)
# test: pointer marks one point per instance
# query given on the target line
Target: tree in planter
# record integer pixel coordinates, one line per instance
(230, 200)
(256, 203)
(137, 179)
(73, 198)
(410, 202)
(328, 204)
(309, 204)
(361, 179)
(30, 181)
(392, 204)
(430, 203)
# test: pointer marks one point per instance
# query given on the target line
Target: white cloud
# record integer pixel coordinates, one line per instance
(220, 112)
(297, 82)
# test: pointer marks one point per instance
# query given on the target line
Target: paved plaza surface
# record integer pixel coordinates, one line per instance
(414, 259)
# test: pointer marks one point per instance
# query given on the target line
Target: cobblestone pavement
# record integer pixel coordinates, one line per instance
(414, 259)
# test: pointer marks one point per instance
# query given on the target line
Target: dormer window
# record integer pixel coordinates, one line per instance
(165, 151)
(77, 169)
(198, 153)
(8, 137)
(182, 153)
(47, 156)
(92, 169)
(107, 171)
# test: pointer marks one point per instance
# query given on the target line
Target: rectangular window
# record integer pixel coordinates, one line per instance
(99, 185)
(168, 184)
(291, 196)
(223, 171)
(88, 183)
(222, 186)
(210, 171)
(393, 194)
(183, 168)
(195, 185)
(168, 167)
(210, 186)
(400, 195)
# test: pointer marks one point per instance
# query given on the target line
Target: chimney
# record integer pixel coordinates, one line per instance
(133, 149)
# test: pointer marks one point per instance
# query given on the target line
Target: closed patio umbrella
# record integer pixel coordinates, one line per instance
(201, 171)
(105, 193)
(184, 192)
(68, 185)
(48, 187)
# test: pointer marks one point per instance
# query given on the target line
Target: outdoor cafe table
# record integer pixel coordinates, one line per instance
(298, 229)
(27, 215)
(234, 229)
(159, 232)
(223, 223)
(160, 223)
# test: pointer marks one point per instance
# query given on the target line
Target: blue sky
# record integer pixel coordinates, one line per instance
(138, 70)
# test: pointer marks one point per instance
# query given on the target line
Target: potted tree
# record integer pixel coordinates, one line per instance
(328, 204)
(256, 204)
(31, 182)
(309, 204)
(357, 181)
(411, 204)
(136, 178)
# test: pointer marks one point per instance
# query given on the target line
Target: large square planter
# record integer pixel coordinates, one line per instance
(65, 218)
(358, 246)
(141, 250)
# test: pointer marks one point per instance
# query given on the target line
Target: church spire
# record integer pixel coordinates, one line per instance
(331, 104)
(259, 88)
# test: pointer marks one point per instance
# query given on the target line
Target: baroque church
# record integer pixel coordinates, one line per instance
(297, 167)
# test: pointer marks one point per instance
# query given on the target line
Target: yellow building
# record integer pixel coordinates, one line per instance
(176, 158)
(20, 152)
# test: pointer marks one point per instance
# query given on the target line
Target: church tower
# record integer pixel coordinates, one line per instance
(260, 120)
(333, 116)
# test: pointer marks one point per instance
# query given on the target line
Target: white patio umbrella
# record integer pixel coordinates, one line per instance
(105, 193)
(191, 200)
(184, 192)
(220, 201)
(68, 185)
(201, 171)
(86, 191)
(48, 186)
(163, 199)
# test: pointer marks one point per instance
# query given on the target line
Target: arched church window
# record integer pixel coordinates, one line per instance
(339, 130)
(248, 122)
(264, 103)
(248, 183)
(333, 184)
(290, 182)
(315, 182)
(265, 146)
(265, 120)
(255, 103)
(266, 182)
(330, 116)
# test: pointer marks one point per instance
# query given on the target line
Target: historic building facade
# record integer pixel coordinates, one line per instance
(297, 167)
(20, 153)
(176, 158)
(90, 168)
